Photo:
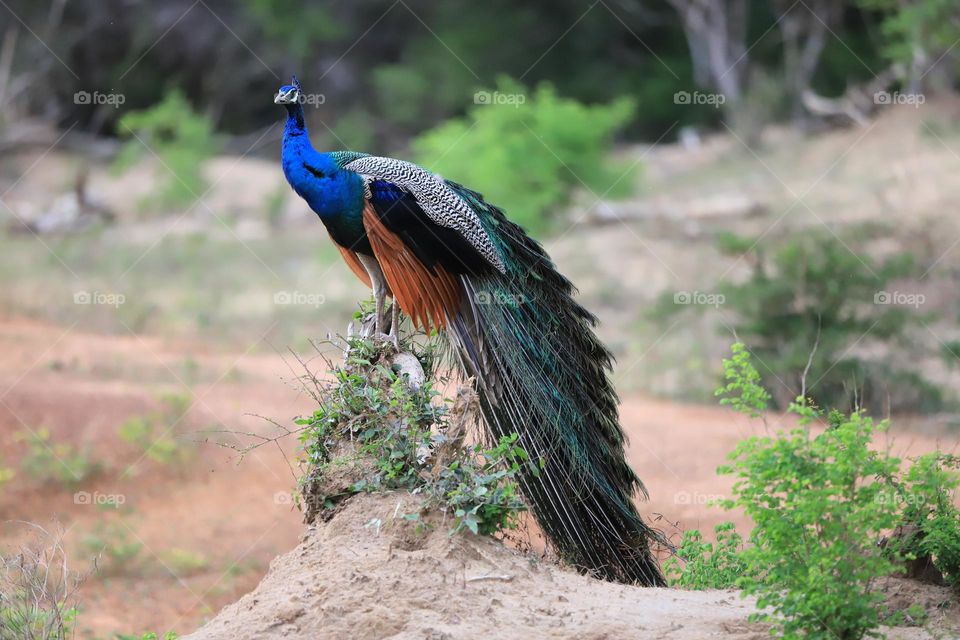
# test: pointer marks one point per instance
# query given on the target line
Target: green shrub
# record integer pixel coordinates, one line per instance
(814, 290)
(46, 461)
(401, 91)
(372, 422)
(814, 502)
(528, 153)
(179, 138)
(927, 493)
(21, 621)
(820, 504)
(708, 565)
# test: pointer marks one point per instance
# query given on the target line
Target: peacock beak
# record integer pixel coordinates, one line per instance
(285, 97)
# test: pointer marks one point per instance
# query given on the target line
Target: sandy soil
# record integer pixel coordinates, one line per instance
(367, 573)
(82, 387)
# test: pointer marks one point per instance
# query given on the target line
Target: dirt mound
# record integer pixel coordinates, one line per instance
(370, 573)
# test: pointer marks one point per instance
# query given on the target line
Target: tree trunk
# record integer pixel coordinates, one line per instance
(804, 28)
(716, 32)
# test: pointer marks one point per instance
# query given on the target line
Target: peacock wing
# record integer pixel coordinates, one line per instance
(433, 198)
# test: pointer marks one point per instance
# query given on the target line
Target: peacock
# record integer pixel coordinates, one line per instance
(453, 263)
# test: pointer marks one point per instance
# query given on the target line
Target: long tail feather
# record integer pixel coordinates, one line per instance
(542, 373)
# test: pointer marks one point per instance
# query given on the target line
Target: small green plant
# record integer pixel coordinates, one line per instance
(150, 635)
(183, 561)
(371, 422)
(47, 461)
(708, 565)
(530, 149)
(6, 475)
(480, 490)
(913, 616)
(366, 398)
(742, 390)
(151, 433)
(180, 139)
(115, 546)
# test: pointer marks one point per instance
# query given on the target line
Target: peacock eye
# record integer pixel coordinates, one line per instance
(314, 171)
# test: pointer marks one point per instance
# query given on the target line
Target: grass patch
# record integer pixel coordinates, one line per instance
(151, 434)
(38, 590)
(47, 461)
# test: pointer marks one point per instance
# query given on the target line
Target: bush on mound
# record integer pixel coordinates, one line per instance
(380, 426)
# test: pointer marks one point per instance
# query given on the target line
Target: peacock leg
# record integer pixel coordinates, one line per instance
(394, 333)
(379, 284)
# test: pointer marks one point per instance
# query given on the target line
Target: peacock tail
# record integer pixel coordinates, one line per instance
(542, 373)
(453, 262)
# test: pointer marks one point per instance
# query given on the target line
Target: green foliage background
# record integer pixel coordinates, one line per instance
(531, 151)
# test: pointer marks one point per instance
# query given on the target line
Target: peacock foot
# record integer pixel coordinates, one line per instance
(387, 338)
(391, 325)
(382, 328)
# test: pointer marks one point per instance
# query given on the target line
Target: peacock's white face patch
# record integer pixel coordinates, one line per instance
(287, 95)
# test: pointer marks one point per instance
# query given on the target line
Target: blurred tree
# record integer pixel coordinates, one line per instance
(392, 70)
(805, 28)
(716, 33)
(919, 34)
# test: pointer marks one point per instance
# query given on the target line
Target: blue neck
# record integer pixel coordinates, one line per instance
(295, 124)
(334, 194)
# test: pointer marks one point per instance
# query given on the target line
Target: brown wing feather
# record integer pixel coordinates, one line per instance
(355, 265)
(428, 298)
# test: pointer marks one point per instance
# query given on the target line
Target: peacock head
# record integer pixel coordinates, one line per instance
(288, 93)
